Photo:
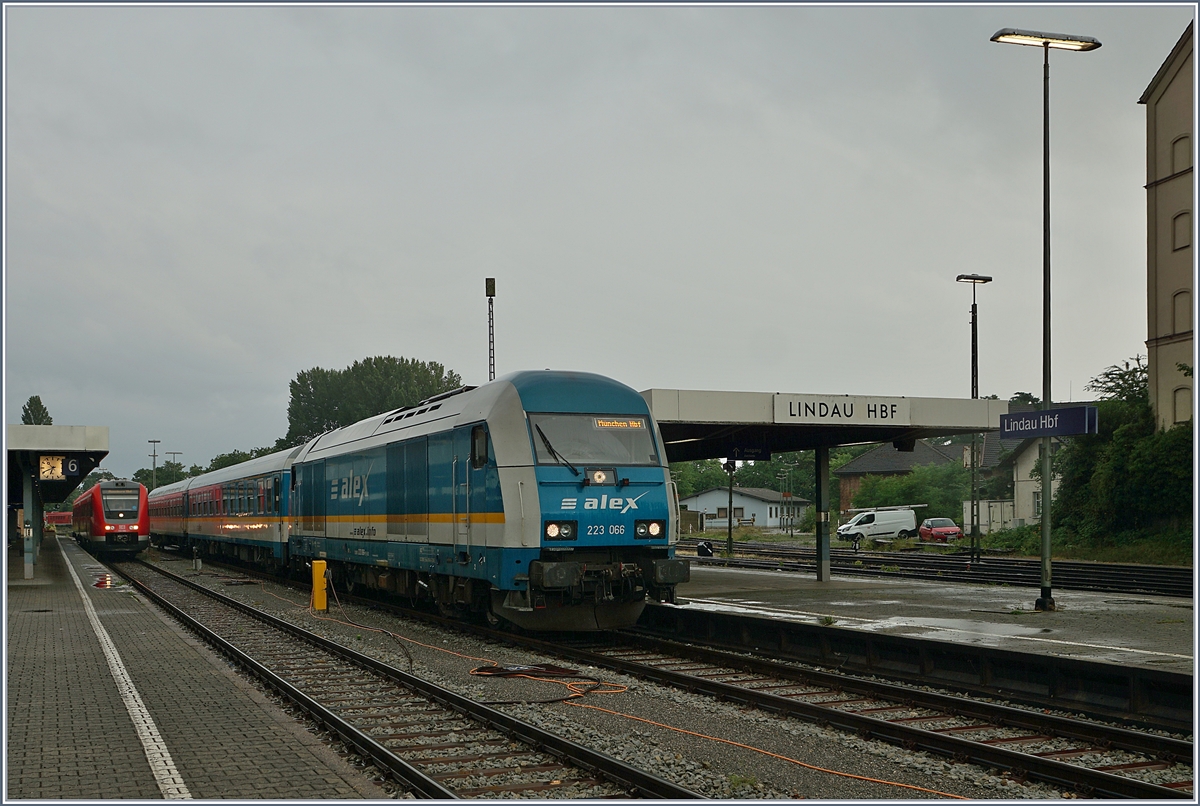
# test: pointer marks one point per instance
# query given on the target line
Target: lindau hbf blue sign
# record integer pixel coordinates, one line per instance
(1052, 423)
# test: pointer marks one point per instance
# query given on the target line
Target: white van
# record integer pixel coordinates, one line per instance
(882, 523)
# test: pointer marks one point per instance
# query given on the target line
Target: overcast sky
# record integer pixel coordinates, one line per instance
(203, 201)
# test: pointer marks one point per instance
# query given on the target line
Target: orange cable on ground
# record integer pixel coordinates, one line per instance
(769, 753)
(577, 689)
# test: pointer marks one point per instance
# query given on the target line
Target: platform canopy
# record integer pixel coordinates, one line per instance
(58, 457)
(753, 425)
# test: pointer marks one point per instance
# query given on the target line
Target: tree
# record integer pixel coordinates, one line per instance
(234, 457)
(1130, 475)
(1027, 398)
(35, 413)
(943, 487)
(167, 473)
(324, 399)
(696, 477)
(1130, 383)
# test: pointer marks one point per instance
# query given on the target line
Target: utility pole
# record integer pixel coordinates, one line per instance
(173, 454)
(490, 289)
(153, 462)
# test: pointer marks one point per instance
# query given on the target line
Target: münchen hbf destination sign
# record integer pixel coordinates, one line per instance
(1063, 422)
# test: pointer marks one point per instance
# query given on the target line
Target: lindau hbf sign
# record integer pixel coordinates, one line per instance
(1052, 423)
(842, 410)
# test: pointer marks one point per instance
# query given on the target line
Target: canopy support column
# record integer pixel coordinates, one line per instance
(822, 504)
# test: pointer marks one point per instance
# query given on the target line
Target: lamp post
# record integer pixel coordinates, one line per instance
(974, 280)
(1015, 36)
(489, 287)
(153, 462)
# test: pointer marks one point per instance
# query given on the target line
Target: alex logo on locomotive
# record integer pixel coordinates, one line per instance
(604, 502)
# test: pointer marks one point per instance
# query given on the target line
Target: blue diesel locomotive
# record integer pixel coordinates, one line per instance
(542, 499)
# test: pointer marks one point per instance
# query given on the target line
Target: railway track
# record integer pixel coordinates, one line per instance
(1093, 759)
(957, 567)
(1090, 758)
(434, 742)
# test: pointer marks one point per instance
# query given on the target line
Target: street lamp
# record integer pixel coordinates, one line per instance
(1045, 41)
(974, 280)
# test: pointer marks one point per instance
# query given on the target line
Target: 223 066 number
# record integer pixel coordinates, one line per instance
(614, 529)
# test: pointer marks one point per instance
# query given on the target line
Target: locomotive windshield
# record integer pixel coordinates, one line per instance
(120, 503)
(590, 439)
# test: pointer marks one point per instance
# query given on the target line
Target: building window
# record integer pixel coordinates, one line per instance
(1183, 312)
(1037, 504)
(1183, 404)
(1181, 154)
(722, 512)
(1183, 230)
(739, 512)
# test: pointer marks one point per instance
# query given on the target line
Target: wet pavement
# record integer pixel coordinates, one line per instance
(1152, 631)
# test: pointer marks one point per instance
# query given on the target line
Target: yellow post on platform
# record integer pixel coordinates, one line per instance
(318, 586)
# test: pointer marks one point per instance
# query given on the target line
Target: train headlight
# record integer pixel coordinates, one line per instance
(133, 527)
(560, 530)
(108, 527)
(599, 477)
(649, 530)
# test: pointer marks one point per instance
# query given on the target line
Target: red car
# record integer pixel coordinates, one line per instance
(939, 530)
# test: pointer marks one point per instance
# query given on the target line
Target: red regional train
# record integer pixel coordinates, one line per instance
(112, 518)
(57, 519)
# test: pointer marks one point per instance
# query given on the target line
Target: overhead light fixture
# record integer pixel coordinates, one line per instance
(973, 278)
(1016, 36)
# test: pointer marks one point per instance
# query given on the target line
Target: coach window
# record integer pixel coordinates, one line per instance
(479, 447)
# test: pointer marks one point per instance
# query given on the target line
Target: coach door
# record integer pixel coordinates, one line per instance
(184, 514)
(313, 495)
(470, 486)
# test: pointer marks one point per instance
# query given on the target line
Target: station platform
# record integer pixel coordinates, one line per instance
(108, 698)
(1132, 629)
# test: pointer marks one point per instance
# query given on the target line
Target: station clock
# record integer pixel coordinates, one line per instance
(50, 468)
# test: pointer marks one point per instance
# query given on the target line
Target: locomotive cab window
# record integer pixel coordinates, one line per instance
(479, 447)
(589, 439)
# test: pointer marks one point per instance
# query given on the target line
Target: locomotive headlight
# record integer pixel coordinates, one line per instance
(599, 477)
(133, 527)
(649, 530)
(108, 527)
(559, 530)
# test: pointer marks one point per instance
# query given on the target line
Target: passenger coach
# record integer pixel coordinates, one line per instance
(541, 498)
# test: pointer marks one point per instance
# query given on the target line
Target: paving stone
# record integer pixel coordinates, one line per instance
(70, 735)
